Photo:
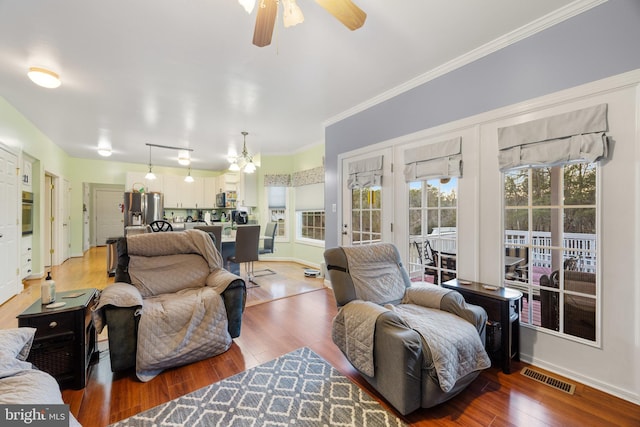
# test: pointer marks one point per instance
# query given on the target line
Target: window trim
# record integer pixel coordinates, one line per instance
(597, 343)
(306, 240)
(287, 212)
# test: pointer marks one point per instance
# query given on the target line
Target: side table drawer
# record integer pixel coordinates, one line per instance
(50, 325)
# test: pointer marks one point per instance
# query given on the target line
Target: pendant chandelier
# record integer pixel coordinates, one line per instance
(243, 162)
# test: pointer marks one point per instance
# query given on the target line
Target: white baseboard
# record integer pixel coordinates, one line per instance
(576, 376)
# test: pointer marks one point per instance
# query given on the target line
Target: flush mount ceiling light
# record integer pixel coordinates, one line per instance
(104, 143)
(104, 151)
(244, 161)
(43, 77)
(344, 11)
(183, 158)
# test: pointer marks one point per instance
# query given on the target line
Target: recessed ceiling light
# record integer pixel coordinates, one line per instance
(43, 77)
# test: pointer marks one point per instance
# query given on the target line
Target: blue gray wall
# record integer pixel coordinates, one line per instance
(599, 43)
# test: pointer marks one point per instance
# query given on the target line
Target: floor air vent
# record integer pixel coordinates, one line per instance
(549, 380)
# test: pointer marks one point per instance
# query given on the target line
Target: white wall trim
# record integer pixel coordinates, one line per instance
(569, 11)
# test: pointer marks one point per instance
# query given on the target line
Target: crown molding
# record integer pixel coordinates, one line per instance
(572, 9)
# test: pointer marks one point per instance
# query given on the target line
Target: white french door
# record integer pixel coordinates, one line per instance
(367, 211)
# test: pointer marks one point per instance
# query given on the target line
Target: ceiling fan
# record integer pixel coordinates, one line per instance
(344, 11)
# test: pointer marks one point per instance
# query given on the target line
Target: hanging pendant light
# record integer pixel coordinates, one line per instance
(188, 178)
(243, 162)
(150, 175)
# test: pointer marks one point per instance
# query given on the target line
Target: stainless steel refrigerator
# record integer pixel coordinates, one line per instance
(142, 208)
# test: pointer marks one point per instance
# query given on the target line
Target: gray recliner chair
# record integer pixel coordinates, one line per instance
(405, 370)
(123, 322)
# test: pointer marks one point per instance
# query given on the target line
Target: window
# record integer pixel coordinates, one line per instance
(277, 202)
(550, 246)
(366, 212)
(433, 215)
(310, 225)
(309, 204)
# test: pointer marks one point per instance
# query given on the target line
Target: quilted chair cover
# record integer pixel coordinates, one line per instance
(172, 302)
(376, 298)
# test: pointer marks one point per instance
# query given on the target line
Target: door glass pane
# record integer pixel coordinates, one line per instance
(516, 188)
(355, 198)
(541, 186)
(580, 220)
(580, 184)
(516, 219)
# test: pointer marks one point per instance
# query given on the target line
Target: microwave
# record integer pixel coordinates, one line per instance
(221, 200)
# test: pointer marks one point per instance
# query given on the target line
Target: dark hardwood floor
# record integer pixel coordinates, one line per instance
(272, 327)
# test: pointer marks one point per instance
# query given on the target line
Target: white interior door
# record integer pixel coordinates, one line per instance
(66, 221)
(9, 268)
(109, 216)
(367, 212)
(48, 220)
(86, 231)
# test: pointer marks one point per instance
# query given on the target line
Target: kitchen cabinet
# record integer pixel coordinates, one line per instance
(183, 195)
(248, 191)
(26, 256)
(210, 189)
(135, 180)
(230, 181)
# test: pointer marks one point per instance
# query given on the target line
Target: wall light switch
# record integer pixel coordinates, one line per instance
(334, 208)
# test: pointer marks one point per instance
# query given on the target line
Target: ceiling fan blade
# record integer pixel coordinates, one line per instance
(345, 11)
(265, 21)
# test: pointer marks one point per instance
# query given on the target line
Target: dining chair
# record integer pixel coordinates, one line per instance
(217, 233)
(268, 243)
(246, 251)
(161, 225)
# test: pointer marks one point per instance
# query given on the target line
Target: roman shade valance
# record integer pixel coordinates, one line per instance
(577, 136)
(439, 160)
(277, 180)
(365, 173)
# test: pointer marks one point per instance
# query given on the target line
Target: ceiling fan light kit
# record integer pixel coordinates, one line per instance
(248, 5)
(345, 11)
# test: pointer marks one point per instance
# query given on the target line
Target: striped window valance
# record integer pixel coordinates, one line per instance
(439, 160)
(308, 177)
(577, 136)
(277, 180)
(365, 173)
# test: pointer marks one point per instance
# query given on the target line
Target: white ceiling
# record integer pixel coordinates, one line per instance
(185, 73)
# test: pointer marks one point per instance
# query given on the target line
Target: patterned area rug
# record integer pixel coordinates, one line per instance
(297, 389)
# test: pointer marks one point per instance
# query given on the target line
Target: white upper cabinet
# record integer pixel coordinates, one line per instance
(248, 191)
(210, 189)
(181, 194)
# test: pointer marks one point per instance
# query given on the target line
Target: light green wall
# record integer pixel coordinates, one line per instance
(20, 135)
(309, 158)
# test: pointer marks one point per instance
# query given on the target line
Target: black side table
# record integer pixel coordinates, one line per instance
(65, 340)
(503, 306)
